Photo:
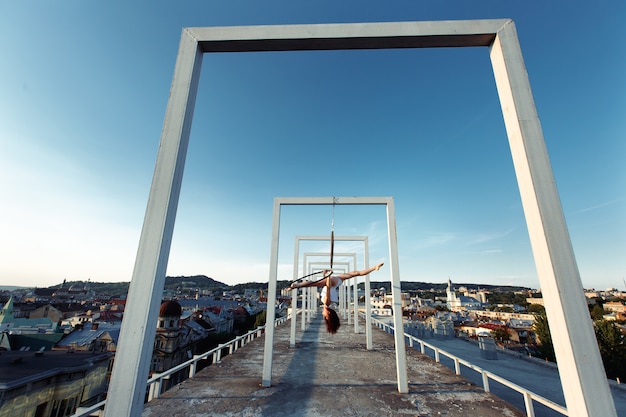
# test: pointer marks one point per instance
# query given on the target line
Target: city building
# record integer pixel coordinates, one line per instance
(178, 339)
(381, 304)
(92, 337)
(460, 303)
(27, 334)
(615, 307)
(44, 384)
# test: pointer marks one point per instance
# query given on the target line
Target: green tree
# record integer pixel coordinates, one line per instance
(260, 319)
(501, 334)
(536, 309)
(612, 348)
(597, 312)
(542, 330)
(507, 297)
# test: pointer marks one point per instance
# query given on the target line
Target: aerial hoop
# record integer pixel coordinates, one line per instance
(306, 276)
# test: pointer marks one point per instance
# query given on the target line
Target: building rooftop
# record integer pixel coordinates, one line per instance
(86, 335)
(327, 375)
(20, 367)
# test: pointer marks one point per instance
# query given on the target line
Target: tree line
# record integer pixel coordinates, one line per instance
(611, 341)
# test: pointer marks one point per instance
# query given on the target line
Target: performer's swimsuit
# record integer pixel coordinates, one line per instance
(334, 294)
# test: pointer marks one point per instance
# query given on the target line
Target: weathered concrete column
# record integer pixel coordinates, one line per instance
(127, 390)
(268, 350)
(396, 294)
(582, 374)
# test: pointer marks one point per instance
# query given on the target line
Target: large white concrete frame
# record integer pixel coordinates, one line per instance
(396, 292)
(582, 375)
(368, 310)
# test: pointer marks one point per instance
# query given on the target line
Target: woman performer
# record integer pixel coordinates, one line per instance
(330, 293)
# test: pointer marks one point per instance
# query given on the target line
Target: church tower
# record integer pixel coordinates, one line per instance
(452, 301)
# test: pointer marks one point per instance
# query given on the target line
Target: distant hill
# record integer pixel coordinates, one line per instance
(182, 284)
(428, 286)
(9, 287)
(201, 282)
(189, 285)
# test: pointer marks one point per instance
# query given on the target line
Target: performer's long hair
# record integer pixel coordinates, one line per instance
(332, 322)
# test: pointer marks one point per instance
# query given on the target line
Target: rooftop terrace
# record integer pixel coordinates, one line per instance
(327, 375)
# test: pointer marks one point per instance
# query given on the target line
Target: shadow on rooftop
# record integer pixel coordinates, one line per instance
(326, 375)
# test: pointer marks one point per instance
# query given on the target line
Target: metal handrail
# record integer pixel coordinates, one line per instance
(528, 395)
(155, 383)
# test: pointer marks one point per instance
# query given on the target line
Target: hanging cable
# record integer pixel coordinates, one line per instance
(332, 234)
(332, 249)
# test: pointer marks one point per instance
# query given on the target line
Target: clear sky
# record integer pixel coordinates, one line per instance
(83, 91)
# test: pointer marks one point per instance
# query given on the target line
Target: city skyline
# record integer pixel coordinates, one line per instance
(81, 118)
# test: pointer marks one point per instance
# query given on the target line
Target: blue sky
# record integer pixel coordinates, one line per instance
(83, 91)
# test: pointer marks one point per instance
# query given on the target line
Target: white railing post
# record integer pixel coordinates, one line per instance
(303, 300)
(485, 381)
(437, 355)
(457, 366)
(194, 366)
(157, 388)
(151, 391)
(528, 402)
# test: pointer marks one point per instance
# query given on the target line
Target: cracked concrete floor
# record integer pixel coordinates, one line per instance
(325, 376)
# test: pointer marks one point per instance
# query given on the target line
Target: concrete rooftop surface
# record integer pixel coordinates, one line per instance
(327, 375)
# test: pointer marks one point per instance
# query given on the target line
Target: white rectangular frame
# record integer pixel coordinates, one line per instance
(584, 382)
(338, 267)
(349, 255)
(336, 255)
(355, 290)
(368, 308)
(306, 262)
(396, 291)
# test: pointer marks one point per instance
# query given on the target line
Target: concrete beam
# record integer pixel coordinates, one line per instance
(347, 36)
